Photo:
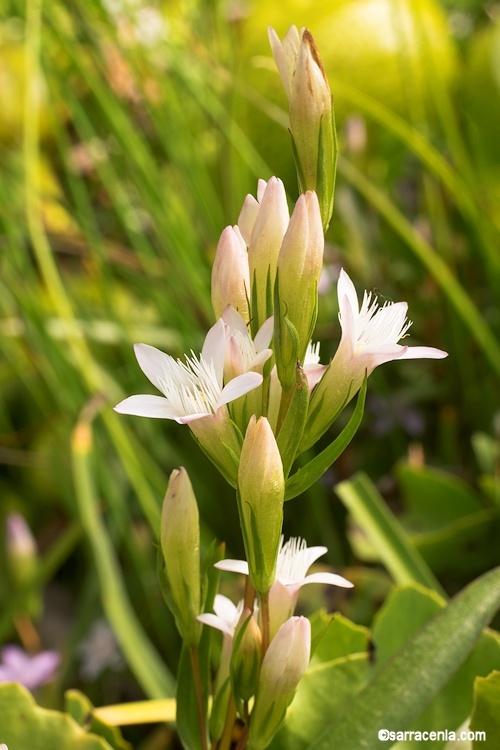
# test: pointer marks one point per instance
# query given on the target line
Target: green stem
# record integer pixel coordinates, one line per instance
(265, 622)
(195, 665)
(227, 734)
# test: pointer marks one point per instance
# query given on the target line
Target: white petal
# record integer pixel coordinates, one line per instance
(261, 358)
(264, 334)
(224, 608)
(233, 319)
(261, 189)
(423, 352)
(314, 373)
(331, 578)
(147, 406)
(155, 363)
(233, 566)
(246, 219)
(215, 622)
(239, 386)
(345, 288)
(187, 418)
(214, 348)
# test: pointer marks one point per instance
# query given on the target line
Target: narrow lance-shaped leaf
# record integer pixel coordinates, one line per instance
(314, 470)
(404, 563)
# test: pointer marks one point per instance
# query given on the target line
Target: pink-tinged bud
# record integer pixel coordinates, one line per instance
(246, 657)
(311, 113)
(230, 274)
(180, 545)
(282, 669)
(22, 560)
(261, 488)
(20, 542)
(263, 224)
(299, 268)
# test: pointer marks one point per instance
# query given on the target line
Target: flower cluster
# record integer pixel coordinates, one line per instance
(254, 399)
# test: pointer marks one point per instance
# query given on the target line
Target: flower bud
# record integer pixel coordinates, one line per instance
(22, 560)
(230, 275)
(21, 549)
(284, 664)
(311, 114)
(299, 267)
(180, 545)
(246, 657)
(261, 492)
(263, 227)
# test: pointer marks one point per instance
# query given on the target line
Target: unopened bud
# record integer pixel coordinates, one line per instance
(21, 549)
(261, 492)
(180, 545)
(299, 268)
(311, 114)
(282, 669)
(230, 275)
(263, 224)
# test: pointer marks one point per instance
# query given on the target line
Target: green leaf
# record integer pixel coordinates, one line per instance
(143, 658)
(434, 498)
(468, 545)
(406, 684)
(324, 693)
(334, 636)
(23, 724)
(311, 472)
(78, 706)
(290, 434)
(408, 608)
(366, 506)
(486, 711)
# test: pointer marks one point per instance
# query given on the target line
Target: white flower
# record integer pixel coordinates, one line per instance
(191, 390)
(226, 617)
(294, 560)
(244, 354)
(370, 337)
(373, 332)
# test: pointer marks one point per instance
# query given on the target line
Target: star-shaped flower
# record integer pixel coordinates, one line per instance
(192, 389)
(294, 560)
(371, 333)
(370, 337)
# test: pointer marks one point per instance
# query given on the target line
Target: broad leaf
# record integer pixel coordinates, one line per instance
(334, 636)
(78, 706)
(324, 693)
(407, 609)
(407, 683)
(24, 725)
(486, 713)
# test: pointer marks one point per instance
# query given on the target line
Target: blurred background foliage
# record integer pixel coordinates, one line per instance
(130, 132)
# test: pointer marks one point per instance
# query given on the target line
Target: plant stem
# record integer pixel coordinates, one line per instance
(249, 595)
(265, 621)
(227, 734)
(195, 665)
